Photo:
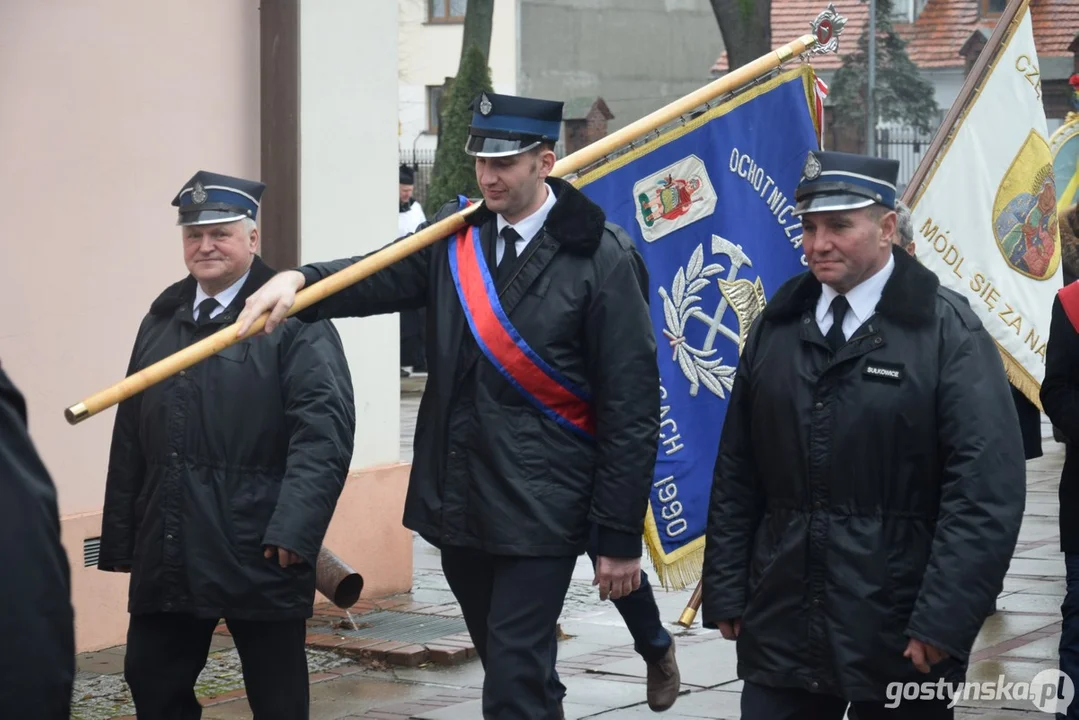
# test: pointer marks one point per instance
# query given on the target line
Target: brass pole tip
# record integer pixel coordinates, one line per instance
(76, 413)
(687, 616)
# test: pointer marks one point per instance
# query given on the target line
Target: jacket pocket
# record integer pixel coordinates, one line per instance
(529, 441)
(765, 550)
(251, 508)
(907, 559)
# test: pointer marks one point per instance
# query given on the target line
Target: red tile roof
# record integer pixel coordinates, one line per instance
(935, 38)
(1056, 23)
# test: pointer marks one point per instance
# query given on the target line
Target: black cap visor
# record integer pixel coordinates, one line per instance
(209, 216)
(831, 202)
(480, 146)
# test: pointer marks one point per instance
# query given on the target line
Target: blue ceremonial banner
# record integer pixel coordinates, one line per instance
(709, 206)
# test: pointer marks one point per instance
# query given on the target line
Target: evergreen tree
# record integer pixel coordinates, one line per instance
(901, 93)
(454, 172)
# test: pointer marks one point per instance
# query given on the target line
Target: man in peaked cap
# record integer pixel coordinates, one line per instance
(540, 417)
(870, 482)
(222, 480)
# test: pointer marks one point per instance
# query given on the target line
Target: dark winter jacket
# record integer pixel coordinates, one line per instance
(245, 449)
(37, 622)
(491, 471)
(867, 498)
(1060, 399)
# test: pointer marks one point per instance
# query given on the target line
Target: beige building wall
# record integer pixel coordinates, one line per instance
(427, 53)
(346, 155)
(106, 108)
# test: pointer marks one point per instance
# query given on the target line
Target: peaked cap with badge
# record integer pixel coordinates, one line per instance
(212, 198)
(504, 125)
(834, 181)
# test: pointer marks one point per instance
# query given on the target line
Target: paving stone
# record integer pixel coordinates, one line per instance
(103, 697)
(702, 665)
(100, 663)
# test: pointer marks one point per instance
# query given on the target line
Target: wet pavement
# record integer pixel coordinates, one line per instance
(605, 679)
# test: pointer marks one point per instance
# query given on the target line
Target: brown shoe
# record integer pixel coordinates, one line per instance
(664, 681)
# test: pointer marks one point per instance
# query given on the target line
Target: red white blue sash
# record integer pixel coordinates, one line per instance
(542, 385)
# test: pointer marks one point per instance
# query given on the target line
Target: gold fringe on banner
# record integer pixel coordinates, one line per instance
(1020, 378)
(681, 568)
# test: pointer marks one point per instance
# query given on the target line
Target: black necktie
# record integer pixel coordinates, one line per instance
(206, 307)
(839, 311)
(509, 255)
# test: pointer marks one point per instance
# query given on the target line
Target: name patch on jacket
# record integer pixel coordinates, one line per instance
(540, 384)
(883, 372)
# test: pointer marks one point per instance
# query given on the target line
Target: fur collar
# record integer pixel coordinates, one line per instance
(908, 297)
(183, 292)
(575, 222)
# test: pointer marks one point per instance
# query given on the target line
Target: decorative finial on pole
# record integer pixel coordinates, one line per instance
(826, 29)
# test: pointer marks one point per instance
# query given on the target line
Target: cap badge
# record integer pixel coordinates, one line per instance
(811, 171)
(198, 195)
(485, 105)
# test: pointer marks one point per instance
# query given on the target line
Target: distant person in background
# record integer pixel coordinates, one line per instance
(409, 217)
(904, 235)
(1069, 244)
(410, 213)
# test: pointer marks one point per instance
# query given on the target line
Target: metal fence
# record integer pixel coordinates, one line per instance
(906, 145)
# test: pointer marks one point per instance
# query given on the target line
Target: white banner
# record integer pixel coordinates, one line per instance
(986, 221)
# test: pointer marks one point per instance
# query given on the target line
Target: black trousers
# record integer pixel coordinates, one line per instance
(511, 606)
(641, 615)
(166, 653)
(759, 701)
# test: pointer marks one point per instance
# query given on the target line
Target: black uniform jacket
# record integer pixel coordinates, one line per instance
(249, 447)
(1060, 399)
(867, 498)
(491, 471)
(37, 624)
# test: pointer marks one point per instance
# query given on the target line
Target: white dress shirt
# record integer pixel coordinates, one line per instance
(223, 298)
(863, 299)
(526, 228)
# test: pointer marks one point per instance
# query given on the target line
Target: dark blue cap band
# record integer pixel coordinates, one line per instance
(510, 124)
(223, 197)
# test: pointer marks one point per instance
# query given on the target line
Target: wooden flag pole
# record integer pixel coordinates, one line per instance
(957, 111)
(824, 40)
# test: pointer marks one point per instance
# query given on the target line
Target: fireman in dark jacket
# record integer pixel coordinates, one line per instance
(37, 622)
(223, 478)
(870, 480)
(1060, 398)
(546, 424)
